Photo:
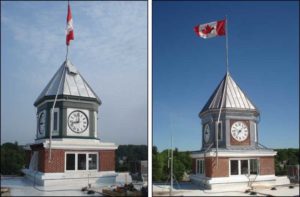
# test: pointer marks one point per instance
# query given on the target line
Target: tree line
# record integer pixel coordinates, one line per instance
(182, 163)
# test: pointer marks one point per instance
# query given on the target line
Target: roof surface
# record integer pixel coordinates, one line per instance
(234, 97)
(68, 81)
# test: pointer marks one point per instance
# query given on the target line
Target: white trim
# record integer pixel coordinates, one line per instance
(76, 161)
(96, 123)
(235, 154)
(77, 144)
(69, 100)
(233, 179)
(255, 133)
(55, 132)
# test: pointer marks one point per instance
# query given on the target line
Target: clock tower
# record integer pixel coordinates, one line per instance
(67, 149)
(231, 153)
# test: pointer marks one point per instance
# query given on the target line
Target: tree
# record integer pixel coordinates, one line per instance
(12, 159)
(182, 162)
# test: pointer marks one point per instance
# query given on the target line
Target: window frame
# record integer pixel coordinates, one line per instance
(202, 170)
(217, 129)
(55, 132)
(87, 161)
(239, 166)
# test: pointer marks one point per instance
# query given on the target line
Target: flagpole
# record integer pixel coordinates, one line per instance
(67, 33)
(53, 106)
(226, 29)
(67, 52)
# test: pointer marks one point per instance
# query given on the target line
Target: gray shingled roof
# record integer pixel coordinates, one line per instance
(72, 84)
(234, 97)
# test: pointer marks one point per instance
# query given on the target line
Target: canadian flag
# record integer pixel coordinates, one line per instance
(70, 32)
(209, 30)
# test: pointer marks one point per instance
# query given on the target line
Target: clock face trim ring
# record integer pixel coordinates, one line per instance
(81, 117)
(42, 121)
(239, 131)
(206, 133)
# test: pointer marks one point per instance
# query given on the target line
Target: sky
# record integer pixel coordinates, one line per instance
(109, 50)
(263, 40)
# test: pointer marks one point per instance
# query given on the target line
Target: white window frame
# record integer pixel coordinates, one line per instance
(217, 129)
(87, 161)
(255, 133)
(55, 132)
(96, 123)
(239, 166)
(203, 166)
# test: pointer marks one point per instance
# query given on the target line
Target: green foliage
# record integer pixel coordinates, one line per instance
(12, 159)
(182, 162)
(157, 166)
(127, 157)
(284, 158)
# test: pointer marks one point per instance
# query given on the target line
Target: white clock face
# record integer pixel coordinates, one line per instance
(206, 133)
(42, 123)
(239, 131)
(78, 121)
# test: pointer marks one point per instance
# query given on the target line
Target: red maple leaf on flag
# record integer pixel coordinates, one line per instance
(207, 29)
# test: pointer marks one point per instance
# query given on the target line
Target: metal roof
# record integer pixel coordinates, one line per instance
(72, 84)
(234, 97)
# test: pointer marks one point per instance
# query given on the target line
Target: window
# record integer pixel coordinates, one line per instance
(253, 166)
(81, 161)
(70, 164)
(200, 166)
(244, 166)
(92, 162)
(219, 130)
(55, 121)
(96, 119)
(255, 133)
(234, 167)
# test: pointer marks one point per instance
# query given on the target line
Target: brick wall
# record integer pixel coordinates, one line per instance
(267, 165)
(211, 169)
(57, 163)
(194, 166)
(107, 160)
(27, 158)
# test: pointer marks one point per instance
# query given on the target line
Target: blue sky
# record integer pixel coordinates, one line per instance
(263, 60)
(109, 50)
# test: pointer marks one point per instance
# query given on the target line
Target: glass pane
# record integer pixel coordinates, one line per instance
(70, 162)
(55, 121)
(234, 167)
(253, 166)
(219, 131)
(200, 166)
(244, 166)
(81, 162)
(92, 162)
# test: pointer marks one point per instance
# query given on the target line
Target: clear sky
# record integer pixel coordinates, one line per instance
(263, 59)
(109, 50)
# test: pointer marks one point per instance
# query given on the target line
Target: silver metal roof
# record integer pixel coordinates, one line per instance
(72, 84)
(234, 97)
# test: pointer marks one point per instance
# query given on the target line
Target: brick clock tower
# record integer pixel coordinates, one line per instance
(75, 155)
(231, 154)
